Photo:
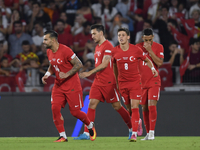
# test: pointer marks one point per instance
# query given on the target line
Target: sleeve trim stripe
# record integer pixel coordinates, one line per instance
(108, 51)
(74, 55)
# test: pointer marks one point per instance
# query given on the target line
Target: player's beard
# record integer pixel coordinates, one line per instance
(48, 46)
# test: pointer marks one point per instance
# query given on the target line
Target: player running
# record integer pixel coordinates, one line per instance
(104, 86)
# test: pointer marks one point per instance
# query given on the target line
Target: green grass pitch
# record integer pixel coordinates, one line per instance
(101, 143)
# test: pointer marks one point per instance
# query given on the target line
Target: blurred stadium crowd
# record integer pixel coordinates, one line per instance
(23, 60)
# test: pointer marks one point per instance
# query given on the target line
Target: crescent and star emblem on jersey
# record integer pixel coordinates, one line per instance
(59, 61)
(131, 58)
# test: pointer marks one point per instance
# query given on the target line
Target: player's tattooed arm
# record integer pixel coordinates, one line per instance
(77, 65)
(103, 65)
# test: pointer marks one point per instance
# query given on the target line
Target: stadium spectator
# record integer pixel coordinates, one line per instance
(117, 23)
(70, 8)
(38, 37)
(139, 20)
(5, 8)
(28, 59)
(39, 15)
(176, 54)
(78, 25)
(182, 9)
(63, 37)
(15, 40)
(195, 6)
(4, 50)
(196, 15)
(3, 26)
(52, 10)
(12, 4)
(86, 11)
(173, 9)
(16, 16)
(63, 16)
(108, 12)
(81, 39)
(147, 24)
(192, 73)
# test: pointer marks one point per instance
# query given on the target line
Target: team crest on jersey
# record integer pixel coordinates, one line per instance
(98, 53)
(131, 58)
(125, 58)
(59, 61)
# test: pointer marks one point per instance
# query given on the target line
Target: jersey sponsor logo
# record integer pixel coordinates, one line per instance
(59, 61)
(131, 58)
(154, 96)
(76, 105)
(54, 59)
(118, 59)
(125, 58)
(153, 120)
(138, 95)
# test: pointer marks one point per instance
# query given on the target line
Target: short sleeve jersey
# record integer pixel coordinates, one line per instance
(146, 74)
(106, 76)
(60, 61)
(127, 62)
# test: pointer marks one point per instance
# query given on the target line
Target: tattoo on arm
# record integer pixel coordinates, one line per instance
(77, 64)
(104, 64)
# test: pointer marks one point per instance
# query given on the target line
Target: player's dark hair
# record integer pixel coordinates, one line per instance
(98, 27)
(25, 42)
(125, 30)
(52, 34)
(148, 21)
(147, 32)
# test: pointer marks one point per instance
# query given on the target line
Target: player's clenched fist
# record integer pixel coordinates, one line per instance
(44, 78)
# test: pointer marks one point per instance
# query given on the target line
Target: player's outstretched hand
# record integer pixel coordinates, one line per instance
(63, 75)
(84, 74)
(44, 78)
(155, 73)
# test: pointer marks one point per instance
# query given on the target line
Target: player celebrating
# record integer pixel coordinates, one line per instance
(104, 86)
(150, 85)
(125, 59)
(67, 87)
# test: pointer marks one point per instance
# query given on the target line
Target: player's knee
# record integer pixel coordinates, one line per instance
(93, 103)
(55, 110)
(116, 105)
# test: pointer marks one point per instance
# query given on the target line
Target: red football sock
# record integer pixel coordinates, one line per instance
(57, 118)
(135, 119)
(152, 117)
(81, 115)
(91, 116)
(146, 120)
(126, 117)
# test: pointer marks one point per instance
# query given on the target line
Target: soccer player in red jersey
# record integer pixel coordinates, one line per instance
(104, 86)
(150, 85)
(125, 59)
(67, 87)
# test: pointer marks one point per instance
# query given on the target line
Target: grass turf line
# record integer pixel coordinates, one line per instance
(101, 143)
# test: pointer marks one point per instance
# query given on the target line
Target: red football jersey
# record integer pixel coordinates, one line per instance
(146, 74)
(127, 63)
(60, 61)
(106, 76)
